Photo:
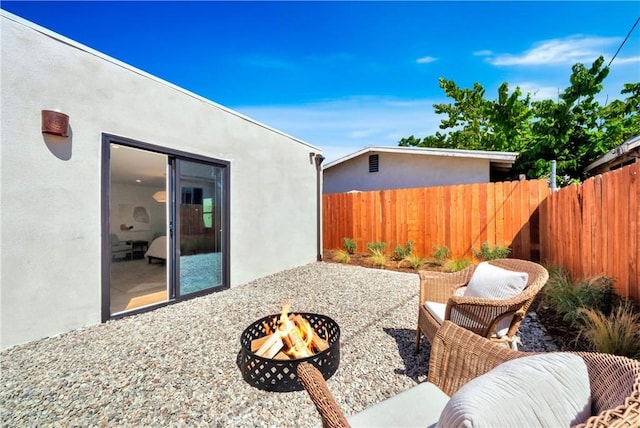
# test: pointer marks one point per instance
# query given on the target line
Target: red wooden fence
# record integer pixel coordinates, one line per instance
(460, 217)
(592, 229)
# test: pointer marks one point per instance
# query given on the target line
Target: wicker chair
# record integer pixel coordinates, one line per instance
(479, 315)
(458, 356)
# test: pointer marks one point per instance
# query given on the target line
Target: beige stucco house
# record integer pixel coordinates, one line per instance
(381, 168)
(148, 195)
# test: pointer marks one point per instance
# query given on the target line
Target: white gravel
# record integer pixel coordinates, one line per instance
(176, 366)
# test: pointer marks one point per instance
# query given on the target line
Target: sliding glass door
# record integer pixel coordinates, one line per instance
(165, 226)
(199, 206)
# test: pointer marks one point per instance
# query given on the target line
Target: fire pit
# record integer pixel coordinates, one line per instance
(279, 372)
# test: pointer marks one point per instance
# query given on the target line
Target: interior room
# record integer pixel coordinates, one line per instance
(138, 224)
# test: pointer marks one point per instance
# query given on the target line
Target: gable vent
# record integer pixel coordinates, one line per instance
(373, 163)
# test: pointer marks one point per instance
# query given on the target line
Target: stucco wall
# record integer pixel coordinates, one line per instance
(398, 171)
(50, 193)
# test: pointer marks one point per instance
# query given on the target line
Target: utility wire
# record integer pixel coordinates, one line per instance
(624, 41)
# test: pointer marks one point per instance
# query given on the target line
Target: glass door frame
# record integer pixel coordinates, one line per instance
(178, 178)
(173, 155)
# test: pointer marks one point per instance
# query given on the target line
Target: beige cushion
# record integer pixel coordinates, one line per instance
(437, 310)
(417, 406)
(492, 282)
(548, 390)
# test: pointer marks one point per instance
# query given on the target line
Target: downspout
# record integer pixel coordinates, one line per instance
(319, 158)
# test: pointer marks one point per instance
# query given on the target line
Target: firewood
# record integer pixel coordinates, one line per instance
(271, 346)
(257, 343)
(288, 343)
(298, 343)
(319, 343)
(281, 356)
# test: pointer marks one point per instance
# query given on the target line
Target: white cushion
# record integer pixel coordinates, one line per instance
(548, 390)
(492, 282)
(417, 406)
(437, 310)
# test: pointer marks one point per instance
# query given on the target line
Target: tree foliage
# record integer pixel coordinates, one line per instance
(574, 130)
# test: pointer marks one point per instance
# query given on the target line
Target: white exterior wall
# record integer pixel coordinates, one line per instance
(399, 171)
(50, 194)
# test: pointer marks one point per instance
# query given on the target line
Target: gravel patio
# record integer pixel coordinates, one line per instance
(176, 366)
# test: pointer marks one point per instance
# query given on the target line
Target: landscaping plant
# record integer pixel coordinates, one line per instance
(455, 265)
(401, 252)
(376, 246)
(342, 256)
(617, 333)
(349, 245)
(413, 260)
(378, 257)
(566, 296)
(440, 254)
(487, 253)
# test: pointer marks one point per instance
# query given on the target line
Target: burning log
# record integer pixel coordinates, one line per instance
(271, 346)
(290, 337)
(317, 343)
(257, 343)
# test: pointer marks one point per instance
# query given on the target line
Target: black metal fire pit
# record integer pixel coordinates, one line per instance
(281, 375)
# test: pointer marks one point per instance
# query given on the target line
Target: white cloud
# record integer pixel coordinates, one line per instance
(341, 127)
(485, 52)
(538, 91)
(629, 60)
(569, 50)
(426, 60)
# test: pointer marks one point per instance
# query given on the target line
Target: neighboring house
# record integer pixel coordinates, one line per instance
(380, 168)
(623, 155)
(214, 199)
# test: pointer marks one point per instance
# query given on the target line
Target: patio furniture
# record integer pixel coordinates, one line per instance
(462, 362)
(490, 299)
(120, 248)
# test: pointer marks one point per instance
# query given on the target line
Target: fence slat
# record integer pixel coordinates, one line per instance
(634, 231)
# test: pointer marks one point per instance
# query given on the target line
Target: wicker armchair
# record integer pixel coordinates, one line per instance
(458, 356)
(479, 315)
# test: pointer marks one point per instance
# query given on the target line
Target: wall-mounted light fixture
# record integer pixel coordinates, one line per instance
(55, 123)
(160, 196)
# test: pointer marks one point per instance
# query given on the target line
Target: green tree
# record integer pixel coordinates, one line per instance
(475, 123)
(567, 130)
(620, 118)
(574, 130)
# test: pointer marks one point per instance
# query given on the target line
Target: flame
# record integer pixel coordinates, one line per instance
(299, 334)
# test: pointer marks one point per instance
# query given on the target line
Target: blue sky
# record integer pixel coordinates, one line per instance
(346, 75)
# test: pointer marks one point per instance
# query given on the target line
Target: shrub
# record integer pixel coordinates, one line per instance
(376, 246)
(487, 253)
(378, 258)
(349, 245)
(441, 254)
(401, 252)
(456, 265)
(414, 261)
(617, 333)
(342, 256)
(566, 296)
